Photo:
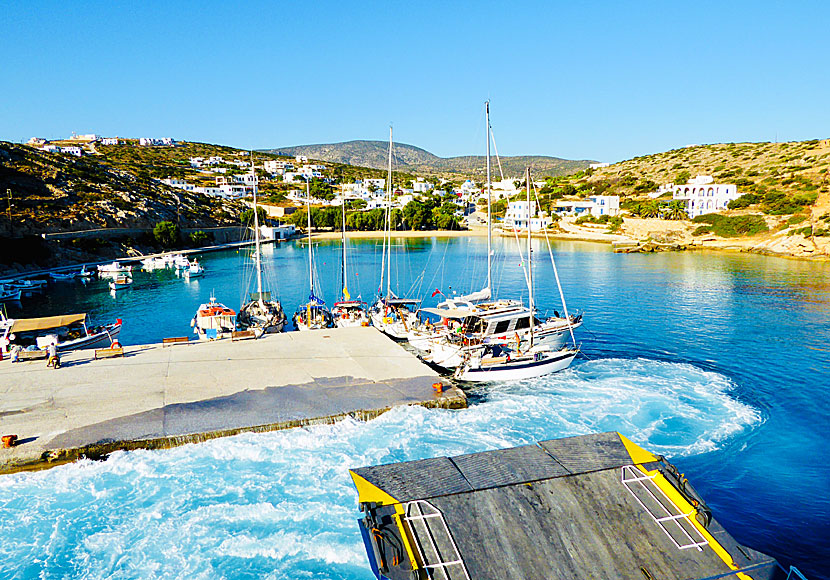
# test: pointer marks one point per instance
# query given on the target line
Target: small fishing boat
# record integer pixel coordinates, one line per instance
(27, 287)
(70, 331)
(120, 283)
(114, 268)
(195, 270)
(179, 261)
(8, 294)
(213, 320)
(58, 277)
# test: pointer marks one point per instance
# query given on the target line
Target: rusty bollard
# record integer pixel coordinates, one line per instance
(9, 441)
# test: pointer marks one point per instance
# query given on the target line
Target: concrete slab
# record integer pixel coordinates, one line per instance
(162, 396)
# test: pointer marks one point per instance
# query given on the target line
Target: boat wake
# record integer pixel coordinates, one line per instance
(281, 505)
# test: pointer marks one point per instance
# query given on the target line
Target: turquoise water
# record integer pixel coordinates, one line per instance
(719, 361)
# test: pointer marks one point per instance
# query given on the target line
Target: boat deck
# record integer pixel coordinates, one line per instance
(582, 507)
(159, 396)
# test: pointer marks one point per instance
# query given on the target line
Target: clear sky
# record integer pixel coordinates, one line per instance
(596, 80)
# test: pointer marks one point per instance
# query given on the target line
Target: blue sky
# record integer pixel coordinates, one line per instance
(598, 80)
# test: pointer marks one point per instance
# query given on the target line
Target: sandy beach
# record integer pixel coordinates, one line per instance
(675, 235)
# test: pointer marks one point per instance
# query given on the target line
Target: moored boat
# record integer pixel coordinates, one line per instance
(114, 268)
(9, 294)
(70, 331)
(195, 270)
(120, 283)
(314, 314)
(260, 313)
(213, 320)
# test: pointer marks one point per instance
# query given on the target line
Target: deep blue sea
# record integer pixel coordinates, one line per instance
(719, 361)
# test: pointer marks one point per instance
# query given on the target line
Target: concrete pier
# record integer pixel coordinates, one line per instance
(158, 396)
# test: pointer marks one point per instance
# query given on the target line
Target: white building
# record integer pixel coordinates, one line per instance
(421, 186)
(76, 151)
(378, 183)
(89, 137)
(277, 166)
(519, 213)
(301, 159)
(605, 205)
(596, 205)
(598, 165)
(153, 142)
(37, 141)
(110, 141)
(701, 195)
(51, 149)
(179, 184)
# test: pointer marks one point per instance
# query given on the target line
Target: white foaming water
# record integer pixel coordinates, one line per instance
(281, 505)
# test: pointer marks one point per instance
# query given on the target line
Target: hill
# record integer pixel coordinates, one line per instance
(408, 158)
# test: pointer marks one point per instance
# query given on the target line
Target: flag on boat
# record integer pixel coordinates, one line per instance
(346, 293)
(437, 291)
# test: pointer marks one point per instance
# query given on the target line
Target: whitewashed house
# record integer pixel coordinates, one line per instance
(51, 149)
(301, 159)
(37, 141)
(110, 141)
(519, 214)
(179, 184)
(596, 205)
(76, 151)
(702, 195)
(598, 165)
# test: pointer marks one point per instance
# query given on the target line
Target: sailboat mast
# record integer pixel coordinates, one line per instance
(343, 270)
(389, 220)
(489, 216)
(308, 212)
(529, 258)
(256, 237)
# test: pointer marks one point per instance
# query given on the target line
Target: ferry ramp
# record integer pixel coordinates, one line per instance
(595, 506)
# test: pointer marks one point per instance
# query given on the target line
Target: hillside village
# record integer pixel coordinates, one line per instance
(768, 197)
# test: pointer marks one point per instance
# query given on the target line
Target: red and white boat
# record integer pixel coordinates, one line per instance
(213, 320)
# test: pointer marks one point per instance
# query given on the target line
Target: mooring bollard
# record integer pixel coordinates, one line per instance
(438, 387)
(9, 441)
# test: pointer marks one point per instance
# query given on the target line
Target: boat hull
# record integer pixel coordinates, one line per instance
(518, 370)
(102, 339)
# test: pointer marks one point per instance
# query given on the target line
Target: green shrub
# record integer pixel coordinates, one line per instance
(744, 201)
(199, 238)
(733, 226)
(702, 230)
(166, 234)
(796, 219)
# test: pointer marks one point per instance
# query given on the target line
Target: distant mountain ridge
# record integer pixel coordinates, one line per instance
(413, 159)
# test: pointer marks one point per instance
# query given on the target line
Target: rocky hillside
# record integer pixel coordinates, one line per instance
(409, 158)
(55, 192)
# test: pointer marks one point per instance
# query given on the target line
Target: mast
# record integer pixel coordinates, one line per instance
(389, 220)
(489, 217)
(529, 258)
(308, 211)
(256, 237)
(343, 270)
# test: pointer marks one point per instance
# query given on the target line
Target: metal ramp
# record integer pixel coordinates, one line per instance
(678, 526)
(433, 541)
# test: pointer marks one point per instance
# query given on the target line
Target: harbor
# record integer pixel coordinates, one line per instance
(158, 396)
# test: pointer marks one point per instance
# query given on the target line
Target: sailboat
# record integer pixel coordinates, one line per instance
(348, 312)
(476, 318)
(260, 313)
(394, 316)
(314, 314)
(492, 362)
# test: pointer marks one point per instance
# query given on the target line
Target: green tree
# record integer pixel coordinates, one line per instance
(166, 234)
(649, 209)
(199, 238)
(247, 216)
(675, 210)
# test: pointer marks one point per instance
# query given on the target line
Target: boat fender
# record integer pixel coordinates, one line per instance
(115, 344)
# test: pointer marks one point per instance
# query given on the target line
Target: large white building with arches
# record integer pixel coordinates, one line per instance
(702, 195)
